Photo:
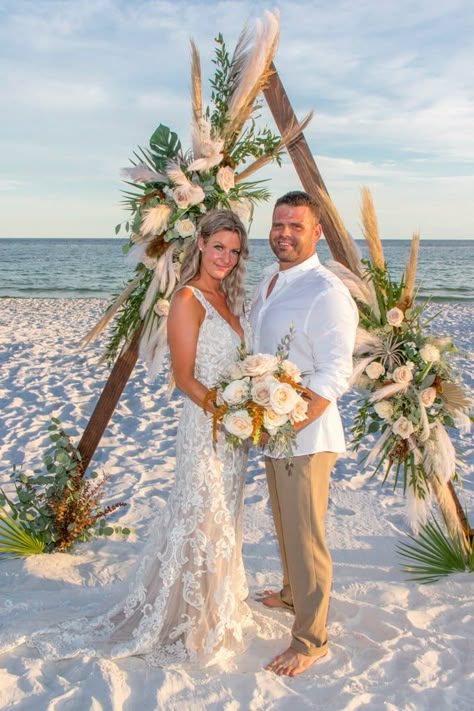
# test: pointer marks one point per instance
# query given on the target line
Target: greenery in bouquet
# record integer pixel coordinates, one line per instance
(260, 394)
(411, 399)
(170, 187)
(56, 508)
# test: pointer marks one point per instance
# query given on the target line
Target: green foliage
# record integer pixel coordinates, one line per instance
(56, 508)
(165, 145)
(128, 319)
(433, 555)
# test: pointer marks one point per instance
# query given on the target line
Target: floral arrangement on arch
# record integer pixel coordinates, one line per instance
(261, 394)
(410, 395)
(171, 188)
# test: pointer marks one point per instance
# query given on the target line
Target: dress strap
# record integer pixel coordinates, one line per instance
(200, 297)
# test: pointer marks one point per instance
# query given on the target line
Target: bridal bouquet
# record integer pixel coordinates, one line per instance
(261, 393)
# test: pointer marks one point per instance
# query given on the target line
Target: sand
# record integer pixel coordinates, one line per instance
(394, 644)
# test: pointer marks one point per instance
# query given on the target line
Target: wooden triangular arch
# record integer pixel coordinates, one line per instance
(312, 182)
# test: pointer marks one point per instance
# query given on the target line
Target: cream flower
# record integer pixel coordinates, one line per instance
(384, 409)
(162, 307)
(428, 396)
(272, 420)
(374, 370)
(283, 398)
(291, 370)
(155, 220)
(402, 374)
(259, 364)
(403, 427)
(185, 228)
(225, 178)
(395, 316)
(238, 423)
(300, 410)
(236, 392)
(235, 371)
(260, 392)
(186, 195)
(429, 353)
(242, 208)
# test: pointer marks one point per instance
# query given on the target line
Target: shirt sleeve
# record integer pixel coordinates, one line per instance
(331, 327)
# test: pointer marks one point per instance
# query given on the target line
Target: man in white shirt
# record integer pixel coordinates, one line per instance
(299, 293)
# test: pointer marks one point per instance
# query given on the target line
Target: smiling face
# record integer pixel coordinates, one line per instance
(294, 234)
(219, 254)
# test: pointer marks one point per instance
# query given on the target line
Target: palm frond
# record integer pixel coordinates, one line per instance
(15, 540)
(286, 139)
(433, 555)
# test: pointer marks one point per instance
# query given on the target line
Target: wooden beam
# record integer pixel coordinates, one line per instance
(306, 168)
(108, 400)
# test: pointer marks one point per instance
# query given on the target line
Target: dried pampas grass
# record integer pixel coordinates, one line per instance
(410, 274)
(370, 229)
(344, 250)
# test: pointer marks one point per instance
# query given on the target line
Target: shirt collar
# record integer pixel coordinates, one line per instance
(289, 274)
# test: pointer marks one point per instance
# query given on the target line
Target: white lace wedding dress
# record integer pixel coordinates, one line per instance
(186, 601)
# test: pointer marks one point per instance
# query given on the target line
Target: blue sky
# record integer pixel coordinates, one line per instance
(391, 83)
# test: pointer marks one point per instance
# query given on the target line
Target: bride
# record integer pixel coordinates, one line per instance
(186, 598)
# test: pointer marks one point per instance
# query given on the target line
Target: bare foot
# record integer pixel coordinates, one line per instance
(271, 598)
(291, 663)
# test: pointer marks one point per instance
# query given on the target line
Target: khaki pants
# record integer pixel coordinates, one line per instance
(299, 489)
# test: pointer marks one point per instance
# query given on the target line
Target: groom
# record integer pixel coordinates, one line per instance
(300, 292)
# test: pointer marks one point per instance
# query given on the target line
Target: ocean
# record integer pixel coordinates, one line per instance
(85, 268)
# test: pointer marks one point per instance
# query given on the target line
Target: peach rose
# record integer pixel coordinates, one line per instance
(238, 423)
(403, 427)
(402, 374)
(272, 420)
(374, 370)
(395, 316)
(259, 364)
(291, 370)
(261, 391)
(283, 398)
(300, 410)
(225, 178)
(428, 396)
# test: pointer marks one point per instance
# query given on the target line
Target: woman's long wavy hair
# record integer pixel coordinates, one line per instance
(233, 284)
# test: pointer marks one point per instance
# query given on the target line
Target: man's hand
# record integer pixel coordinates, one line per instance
(316, 407)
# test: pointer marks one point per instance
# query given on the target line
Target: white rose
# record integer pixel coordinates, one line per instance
(402, 374)
(162, 307)
(291, 370)
(384, 409)
(428, 396)
(429, 353)
(395, 316)
(283, 398)
(189, 194)
(272, 420)
(225, 178)
(236, 392)
(300, 410)
(235, 372)
(185, 228)
(238, 423)
(374, 370)
(259, 364)
(403, 427)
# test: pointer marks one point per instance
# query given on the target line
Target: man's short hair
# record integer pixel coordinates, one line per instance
(298, 198)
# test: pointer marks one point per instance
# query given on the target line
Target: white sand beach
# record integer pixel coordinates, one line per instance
(394, 645)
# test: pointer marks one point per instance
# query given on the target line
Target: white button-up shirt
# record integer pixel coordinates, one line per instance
(324, 318)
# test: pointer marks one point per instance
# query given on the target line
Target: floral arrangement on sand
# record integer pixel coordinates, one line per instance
(261, 394)
(170, 187)
(410, 396)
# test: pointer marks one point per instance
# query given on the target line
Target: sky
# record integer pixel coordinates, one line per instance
(84, 82)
